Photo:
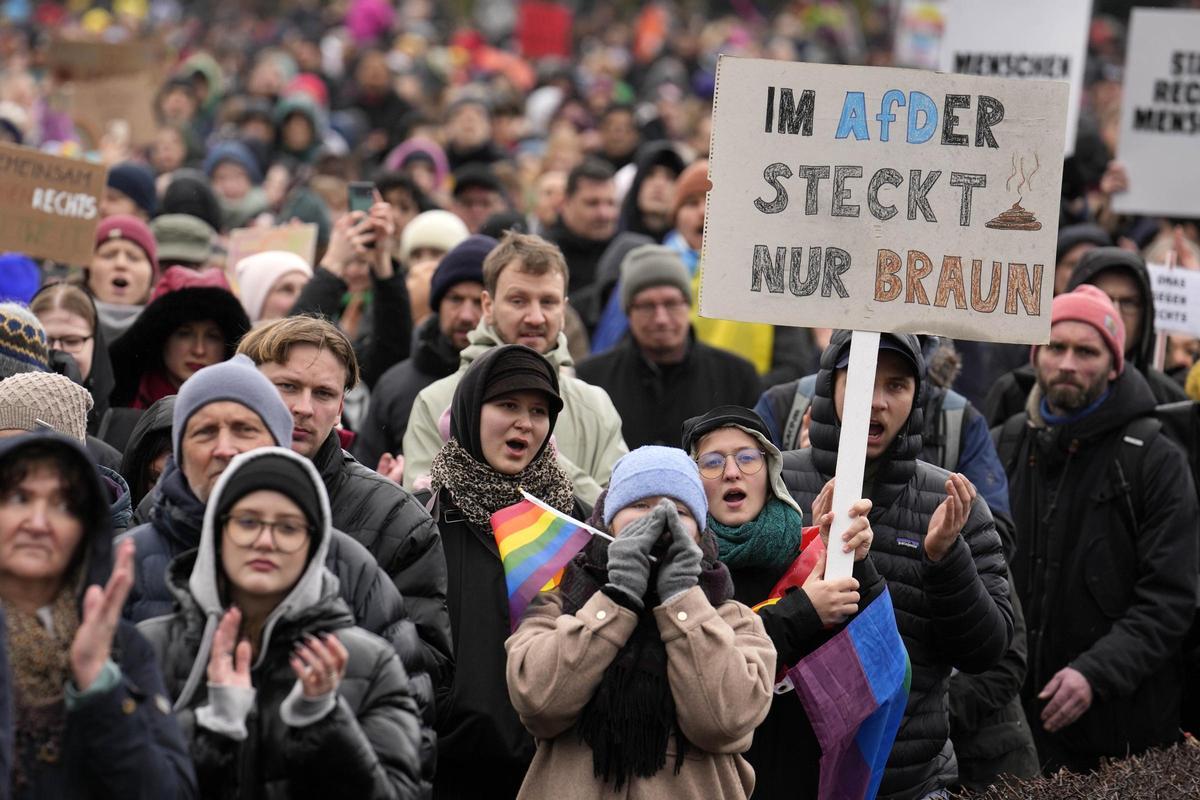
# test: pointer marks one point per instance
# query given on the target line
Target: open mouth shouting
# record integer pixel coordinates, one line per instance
(734, 498)
(516, 448)
(875, 431)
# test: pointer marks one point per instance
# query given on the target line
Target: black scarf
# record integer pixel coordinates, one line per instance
(629, 720)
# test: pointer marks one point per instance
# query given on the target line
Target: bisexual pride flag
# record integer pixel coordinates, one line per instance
(535, 542)
(854, 689)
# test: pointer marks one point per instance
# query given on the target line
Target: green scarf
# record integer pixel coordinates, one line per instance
(772, 539)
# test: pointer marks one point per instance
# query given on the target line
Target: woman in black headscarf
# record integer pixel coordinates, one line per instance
(501, 419)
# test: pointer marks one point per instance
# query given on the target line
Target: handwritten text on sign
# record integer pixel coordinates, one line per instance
(1176, 300)
(883, 199)
(50, 205)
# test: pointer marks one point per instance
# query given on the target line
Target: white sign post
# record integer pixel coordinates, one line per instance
(1160, 114)
(1026, 39)
(881, 200)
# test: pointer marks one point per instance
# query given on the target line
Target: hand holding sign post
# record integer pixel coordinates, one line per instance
(881, 200)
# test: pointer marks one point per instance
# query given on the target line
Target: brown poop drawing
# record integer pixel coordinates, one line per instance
(1017, 218)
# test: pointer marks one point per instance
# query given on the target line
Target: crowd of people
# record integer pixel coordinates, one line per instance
(246, 538)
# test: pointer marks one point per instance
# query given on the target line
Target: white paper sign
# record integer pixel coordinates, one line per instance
(1160, 115)
(1176, 299)
(883, 199)
(1027, 39)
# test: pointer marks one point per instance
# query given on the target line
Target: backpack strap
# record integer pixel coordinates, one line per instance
(806, 387)
(1135, 443)
(950, 428)
(1008, 441)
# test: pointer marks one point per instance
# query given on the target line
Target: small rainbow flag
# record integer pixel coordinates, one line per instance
(535, 543)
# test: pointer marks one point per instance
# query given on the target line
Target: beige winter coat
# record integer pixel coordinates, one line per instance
(721, 668)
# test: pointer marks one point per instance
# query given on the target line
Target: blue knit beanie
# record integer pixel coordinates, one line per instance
(237, 381)
(463, 263)
(239, 154)
(137, 183)
(656, 471)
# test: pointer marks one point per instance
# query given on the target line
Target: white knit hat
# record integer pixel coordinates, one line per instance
(256, 275)
(438, 229)
(32, 397)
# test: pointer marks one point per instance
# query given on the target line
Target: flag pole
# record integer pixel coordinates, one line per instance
(558, 513)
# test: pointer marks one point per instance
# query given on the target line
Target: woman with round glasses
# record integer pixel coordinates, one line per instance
(280, 694)
(759, 527)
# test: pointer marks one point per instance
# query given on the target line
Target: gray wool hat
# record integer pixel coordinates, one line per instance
(237, 381)
(651, 265)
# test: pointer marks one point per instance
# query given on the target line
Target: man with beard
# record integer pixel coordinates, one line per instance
(1106, 556)
(454, 296)
(524, 302)
(660, 375)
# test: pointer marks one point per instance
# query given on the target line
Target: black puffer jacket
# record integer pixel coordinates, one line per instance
(176, 521)
(392, 398)
(951, 613)
(398, 532)
(367, 746)
(1106, 569)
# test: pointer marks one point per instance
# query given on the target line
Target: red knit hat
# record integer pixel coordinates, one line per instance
(123, 226)
(1090, 305)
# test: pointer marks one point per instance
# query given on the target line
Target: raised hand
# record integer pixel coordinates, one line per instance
(858, 536)
(834, 601)
(629, 554)
(948, 520)
(680, 569)
(319, 664)
(391, 467)
(92, 646)
(229, 660)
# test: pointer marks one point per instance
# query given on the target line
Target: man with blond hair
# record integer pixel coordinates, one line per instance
(524, 301)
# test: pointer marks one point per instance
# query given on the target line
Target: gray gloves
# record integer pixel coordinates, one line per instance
(680, 567)
(629, 556)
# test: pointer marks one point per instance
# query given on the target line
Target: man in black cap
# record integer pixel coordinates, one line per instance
(478, 195)
(935, 543)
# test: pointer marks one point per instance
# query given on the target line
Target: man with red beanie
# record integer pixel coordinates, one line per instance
(1106, 562)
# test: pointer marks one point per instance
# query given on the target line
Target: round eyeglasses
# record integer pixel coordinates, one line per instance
(748, 461)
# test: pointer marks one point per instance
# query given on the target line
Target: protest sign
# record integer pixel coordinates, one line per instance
(1160, 114)
(299, 239)
(1176, 299)
(96, 104)
(1028, 39)
(49, 206)
(70, 59)
(883, 199)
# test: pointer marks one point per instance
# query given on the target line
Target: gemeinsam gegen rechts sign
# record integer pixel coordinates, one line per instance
(883, 199)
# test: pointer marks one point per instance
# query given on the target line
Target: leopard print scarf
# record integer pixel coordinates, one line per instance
(480, 491)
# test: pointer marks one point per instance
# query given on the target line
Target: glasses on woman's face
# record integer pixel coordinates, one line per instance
(288, 535)
(67, 344)
(748, 461)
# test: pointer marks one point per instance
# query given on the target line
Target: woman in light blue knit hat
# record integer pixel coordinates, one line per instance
(640, 670)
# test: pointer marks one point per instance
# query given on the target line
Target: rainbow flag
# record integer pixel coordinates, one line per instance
(535, 543)
(854, 689)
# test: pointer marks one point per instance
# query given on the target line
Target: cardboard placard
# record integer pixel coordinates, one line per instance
(94, 104)
(300, 239)
(883, 199)
(49, 206)
(1026, 39)
(1176, 299)
(69, 59)
(1160, 114)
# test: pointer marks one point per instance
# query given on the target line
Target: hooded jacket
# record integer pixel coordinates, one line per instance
(150, 437)
(124, 742)
(371, 733)
(587, 433)
(952, 613)
(785, 753)
(434, 356)
(1106, 570)
(653, 154)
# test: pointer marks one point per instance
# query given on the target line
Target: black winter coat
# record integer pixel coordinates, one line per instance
(952, 613)
(655, 400)
(384, 518)
(1106, 571)
(366, 748)
(434, 357)
(479, 733)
